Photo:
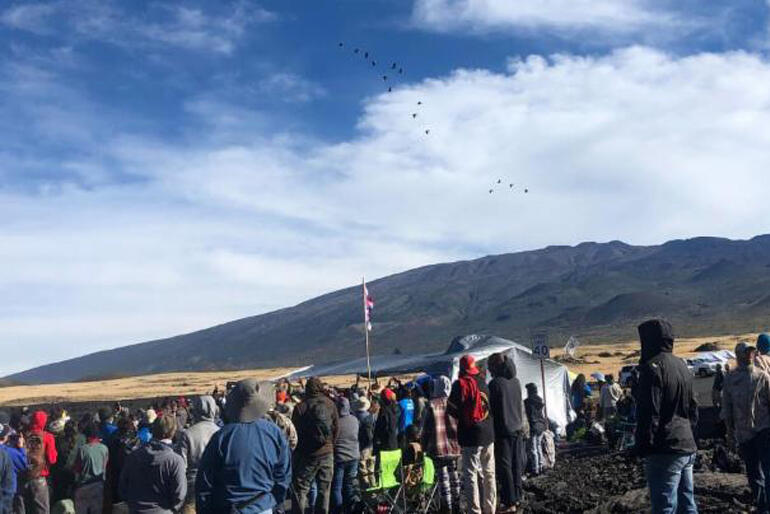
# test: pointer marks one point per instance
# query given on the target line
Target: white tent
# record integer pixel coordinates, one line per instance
(557, 384)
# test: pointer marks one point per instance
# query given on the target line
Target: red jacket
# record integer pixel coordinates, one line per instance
(41, 446)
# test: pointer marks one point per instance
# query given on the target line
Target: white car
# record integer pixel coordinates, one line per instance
(705, 368)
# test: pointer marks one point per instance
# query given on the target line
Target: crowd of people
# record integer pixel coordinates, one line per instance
(259, 447)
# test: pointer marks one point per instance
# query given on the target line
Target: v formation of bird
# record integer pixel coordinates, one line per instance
(390, 73)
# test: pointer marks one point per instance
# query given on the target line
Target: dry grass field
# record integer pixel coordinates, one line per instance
(606, 358)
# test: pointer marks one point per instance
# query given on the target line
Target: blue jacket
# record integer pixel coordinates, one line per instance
(7, 482)
(407, 414)
(18, 458)
(244, 462)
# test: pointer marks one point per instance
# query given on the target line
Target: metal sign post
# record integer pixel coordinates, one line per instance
(541, 350)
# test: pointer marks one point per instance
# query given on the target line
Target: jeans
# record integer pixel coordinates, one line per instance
(508, 457)
(755, 453)
(479, 486)
(536, 453)
(344, 485)
(306, 470)
(670, 479)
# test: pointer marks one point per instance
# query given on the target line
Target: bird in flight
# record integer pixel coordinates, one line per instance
(414, 115)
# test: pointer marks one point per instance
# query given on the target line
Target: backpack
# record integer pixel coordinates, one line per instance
(318, 423)
(35, 454)
(477, 408)
(549, 450)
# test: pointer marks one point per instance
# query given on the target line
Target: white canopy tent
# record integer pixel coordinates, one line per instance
(557, 384)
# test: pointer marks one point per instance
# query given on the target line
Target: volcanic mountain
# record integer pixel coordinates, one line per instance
(596, 291)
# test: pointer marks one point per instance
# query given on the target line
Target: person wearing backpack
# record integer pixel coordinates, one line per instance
(41, 455)
(365, 440)
(317, 424)
(469, 404)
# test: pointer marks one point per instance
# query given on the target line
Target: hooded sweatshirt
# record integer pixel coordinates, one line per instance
(153, 480)
(41, 447)
(505, 400)
(346, 444)
(315, 419)
(534, 407)
(386, 426)
(439, 431)
(666, 406)
(194, 439)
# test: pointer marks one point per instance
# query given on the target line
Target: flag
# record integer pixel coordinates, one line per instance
(368, 308)
(571, 346)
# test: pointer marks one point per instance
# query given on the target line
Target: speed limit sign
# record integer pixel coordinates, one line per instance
(540, 347)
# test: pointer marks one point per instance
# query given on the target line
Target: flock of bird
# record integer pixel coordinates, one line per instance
(390, 72)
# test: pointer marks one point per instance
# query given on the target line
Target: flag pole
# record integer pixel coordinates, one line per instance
(366, 332)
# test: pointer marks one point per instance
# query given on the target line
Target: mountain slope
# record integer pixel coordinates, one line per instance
(704, 286)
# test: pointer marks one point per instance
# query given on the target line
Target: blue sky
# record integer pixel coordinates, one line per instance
(166, 166)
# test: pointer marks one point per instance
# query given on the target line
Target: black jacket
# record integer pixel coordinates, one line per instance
(535, 408)
(505, 400)
(386, 428)
(477, 434)
(666, 406)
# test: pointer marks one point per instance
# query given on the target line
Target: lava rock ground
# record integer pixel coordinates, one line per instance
(598, 482)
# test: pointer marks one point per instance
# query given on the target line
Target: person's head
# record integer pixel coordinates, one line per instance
(610, 379)
(343, 406)
(204, 408)
(496, 364)
(249, 400)
(91, 431)
(388, 396)
(719, 367)
(581, 380)
(106, 415)
(744, 354)
(468, 366)
(441, 387)
(656, 336)
(531, 389)
(5, 433)
(38, 421)
(727, 368)
(362, 404)
(164, 427)
(126, 425)
(314, 387)
(763, 344)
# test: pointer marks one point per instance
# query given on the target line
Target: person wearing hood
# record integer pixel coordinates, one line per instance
(762, 357)
(578, 393)
(469, 403)
(13, 444)
(153, 478)
(7, 474)
(317, 424)
(386, 426)
(746, 411)
(346, 457)
(439, 441)
(534, 406)
(666, 413)
(41, 455)
(505, 401)
(246, 466)
(193, 442)
(365, 440)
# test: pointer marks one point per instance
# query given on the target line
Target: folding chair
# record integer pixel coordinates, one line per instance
(389, 489)
(428, 500)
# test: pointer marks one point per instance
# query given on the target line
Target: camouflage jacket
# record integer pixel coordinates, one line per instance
(746, 402)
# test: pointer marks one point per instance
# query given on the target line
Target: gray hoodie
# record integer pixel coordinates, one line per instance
(195, 438)
(346, 445)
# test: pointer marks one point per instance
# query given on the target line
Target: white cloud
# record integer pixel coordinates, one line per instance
(613, 16)
(110, 21)
(636, 145)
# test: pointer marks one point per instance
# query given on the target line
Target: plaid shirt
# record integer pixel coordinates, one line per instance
(439, 434)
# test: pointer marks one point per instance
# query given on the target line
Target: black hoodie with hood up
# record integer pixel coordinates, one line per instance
(666, 406)
(505, 399)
